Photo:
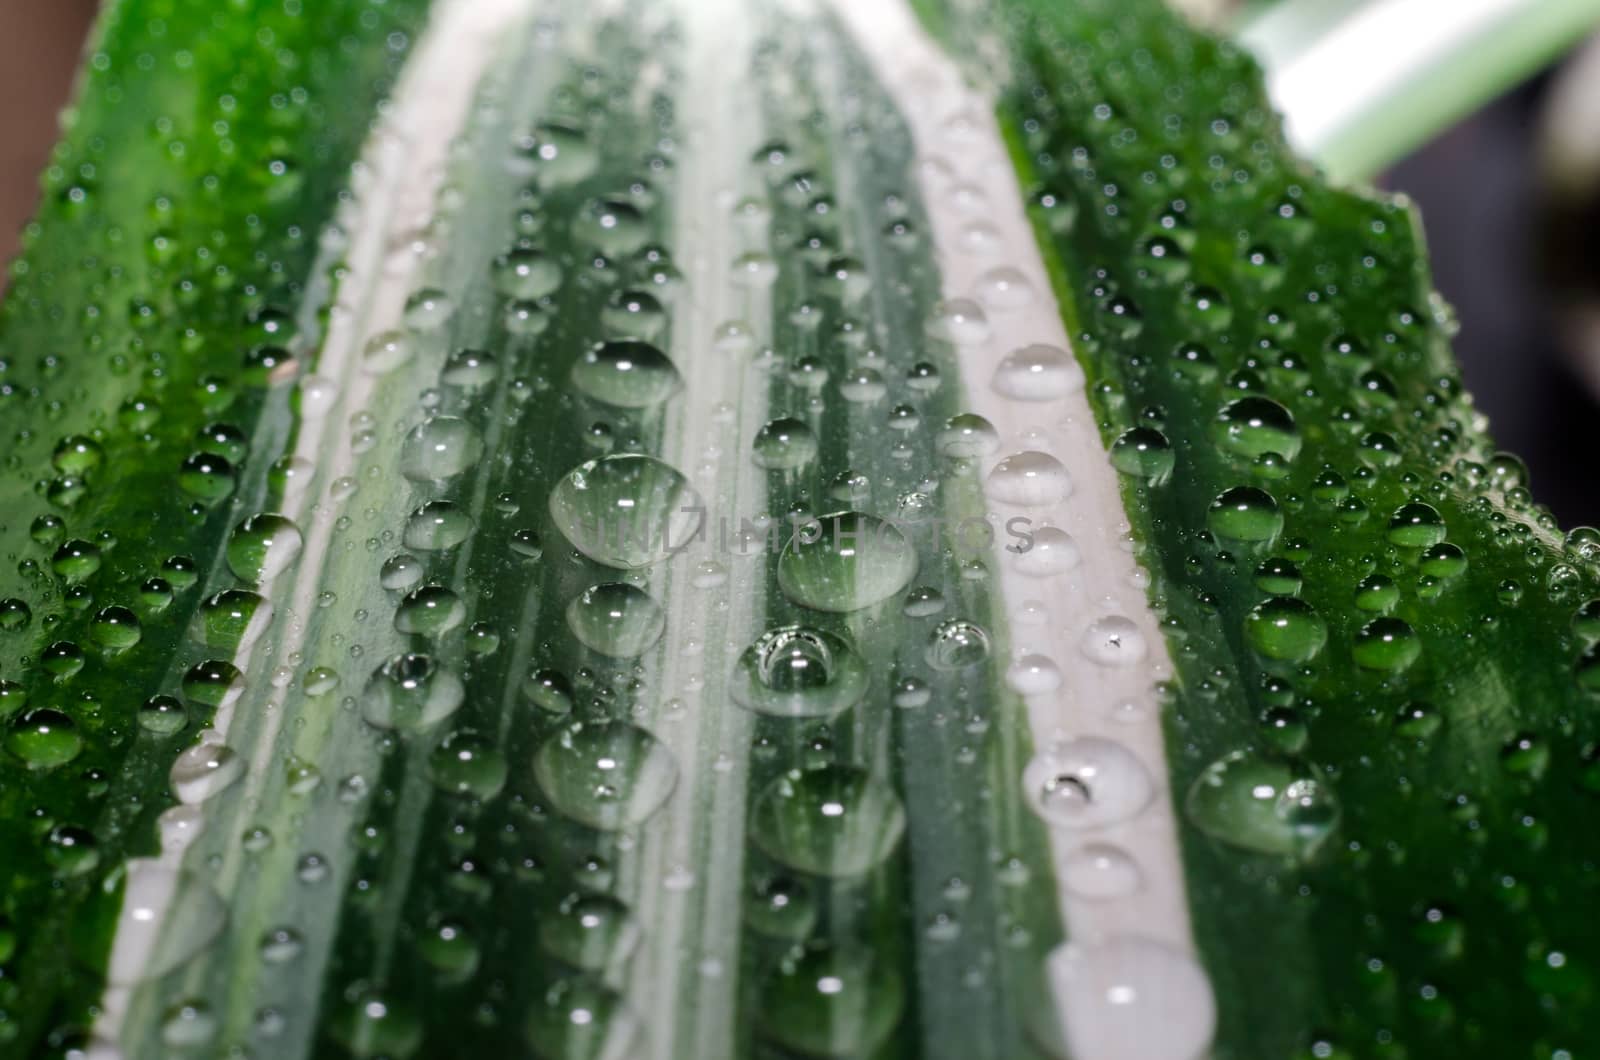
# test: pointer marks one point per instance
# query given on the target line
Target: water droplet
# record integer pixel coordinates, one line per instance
(434, 527)
(440, 448)
(1245, 514)
(162, 715)
(386, 351)
(1388, 644)
(430, 611)
(832, 1001)
(204, 770)
(1250, 427)
(400, 571)
(369, 1022)
(467, 764)
(581, 1017)
(262, 547)
(957, 644)
(410, 692)
(834, 821)
(1050, 551)
(470, 369)
(616, 619)
(626, 511)
(796, 672)
(782, 906)
(968, 436)
(853, 560)
(1129, 996)
(626, 373)
(527, 274)
(1029, 479)
(1005, 287)
(1087, 783)
(614, 225)
(1416, 525)
(959, 320)
(1101, 871)
(1114, 640)
(634, 314)
(1033, 675)
(428, 309)
(1144, 453)
(592, 932)
(784, 444)
(1286, 629)
(1270, 806)
(206, 477)
(75, 560)
(608, 775)
(115, 629)
(1037, 373)
(44, 739)
(15, 614)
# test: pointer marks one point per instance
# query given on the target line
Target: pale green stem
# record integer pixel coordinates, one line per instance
(1361, 84)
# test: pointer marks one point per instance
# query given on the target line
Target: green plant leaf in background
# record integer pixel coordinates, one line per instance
(632, 546)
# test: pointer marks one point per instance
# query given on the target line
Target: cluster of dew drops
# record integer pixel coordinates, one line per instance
(1332, 534)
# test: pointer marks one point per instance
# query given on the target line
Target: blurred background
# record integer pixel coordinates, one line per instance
(1519, 261)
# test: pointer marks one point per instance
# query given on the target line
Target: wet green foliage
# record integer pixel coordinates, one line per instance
(1383, 727)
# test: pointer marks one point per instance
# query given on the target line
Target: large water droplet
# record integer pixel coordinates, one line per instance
(1253, 426)
(581, 1018)
(434, 527)
(626, 373)
(1050, 550)
(616, 619)
(1245, 514)
(627, 510)
(467, 764)
(439, 448)
(1087, 783)
(1270, 806)
(835, 821)
(608, 775)
(263, 546)
(410, 692)
(796, 672)
(784, 444)
(204, 769)
(370, 1022)
(430, 611)
(592, 932)
(1029, 479)
(1115, 640)
(832, 1002)
(44, 739)
(527, 274)
(957, 644)
(968, 436)
(853, 560)
(1100, 871)
(1286, 629)
(1128, 997)
(1037, 373)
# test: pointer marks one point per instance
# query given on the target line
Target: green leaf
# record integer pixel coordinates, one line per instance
(615, 551)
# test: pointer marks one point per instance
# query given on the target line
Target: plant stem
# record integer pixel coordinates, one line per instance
(1360, 85)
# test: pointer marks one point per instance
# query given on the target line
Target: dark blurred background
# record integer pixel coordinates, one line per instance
(1479, 190)
(1477, 184)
